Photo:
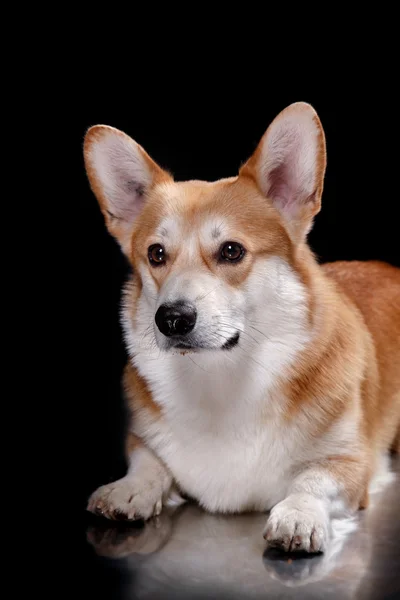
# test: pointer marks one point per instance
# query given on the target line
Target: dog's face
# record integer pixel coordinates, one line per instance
(211, 260)
(200, 261)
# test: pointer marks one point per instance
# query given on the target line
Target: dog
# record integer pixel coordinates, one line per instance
(258, 379)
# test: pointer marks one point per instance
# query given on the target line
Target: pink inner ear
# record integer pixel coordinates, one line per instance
(286, 168)
(286, 190)
(288, 162)
(282, 188)
(124, 175)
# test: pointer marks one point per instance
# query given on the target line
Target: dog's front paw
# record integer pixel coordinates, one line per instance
(127, 499)
(298, 523)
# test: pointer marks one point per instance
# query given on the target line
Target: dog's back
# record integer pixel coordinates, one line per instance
(374, 287)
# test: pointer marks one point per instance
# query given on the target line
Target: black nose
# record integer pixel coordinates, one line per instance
(175, 319)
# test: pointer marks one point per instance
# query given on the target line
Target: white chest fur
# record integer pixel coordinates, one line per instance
(225, 441)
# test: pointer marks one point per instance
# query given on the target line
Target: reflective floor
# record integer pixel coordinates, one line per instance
(191, 554)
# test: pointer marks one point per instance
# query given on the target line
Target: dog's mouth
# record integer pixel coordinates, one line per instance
(192, 346)
(187, 346)
(232, 342)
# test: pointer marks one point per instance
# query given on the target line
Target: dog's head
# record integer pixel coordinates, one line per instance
(209, 258)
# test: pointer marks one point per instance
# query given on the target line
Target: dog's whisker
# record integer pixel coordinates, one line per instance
(242, 331)
(208, 293)
(197, 365)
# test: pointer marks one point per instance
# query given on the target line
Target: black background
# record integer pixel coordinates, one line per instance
(205, 131)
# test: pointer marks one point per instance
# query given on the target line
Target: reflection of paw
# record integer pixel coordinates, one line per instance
(294, 569)
(118, 541)
(298, 523)
(127, 499)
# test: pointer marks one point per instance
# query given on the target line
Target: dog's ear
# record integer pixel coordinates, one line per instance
(289, 167)
(121, 175)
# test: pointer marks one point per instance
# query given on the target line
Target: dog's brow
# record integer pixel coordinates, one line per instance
(216, 232)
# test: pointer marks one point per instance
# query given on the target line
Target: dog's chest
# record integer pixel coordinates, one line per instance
(223, 443)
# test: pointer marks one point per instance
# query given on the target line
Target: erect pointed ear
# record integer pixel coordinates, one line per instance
(289, 167)
(121, 174)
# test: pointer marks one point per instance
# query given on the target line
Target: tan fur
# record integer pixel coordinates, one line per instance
(132, 442)
(137, 392)
(358, 348)
(374, 287)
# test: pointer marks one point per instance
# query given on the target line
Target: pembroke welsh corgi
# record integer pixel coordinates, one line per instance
(258, 380)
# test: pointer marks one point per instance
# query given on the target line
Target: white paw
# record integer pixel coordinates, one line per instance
(298, 523)
(127, 499)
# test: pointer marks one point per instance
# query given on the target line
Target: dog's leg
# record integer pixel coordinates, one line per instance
(138, 495)
(301, 522)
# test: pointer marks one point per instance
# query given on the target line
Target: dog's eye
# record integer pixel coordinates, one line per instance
(156, 254)
(232, 251)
